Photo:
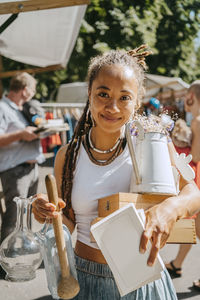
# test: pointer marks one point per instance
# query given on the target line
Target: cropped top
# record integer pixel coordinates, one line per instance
(92, 182)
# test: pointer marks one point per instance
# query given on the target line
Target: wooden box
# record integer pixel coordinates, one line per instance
(183, 231)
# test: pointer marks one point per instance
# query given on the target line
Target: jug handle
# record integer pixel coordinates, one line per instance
(132, 153)
(140, 130)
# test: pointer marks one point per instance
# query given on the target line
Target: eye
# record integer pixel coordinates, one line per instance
(103, 95)
(126, 98)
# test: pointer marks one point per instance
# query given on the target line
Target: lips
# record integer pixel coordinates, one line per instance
(110, 118)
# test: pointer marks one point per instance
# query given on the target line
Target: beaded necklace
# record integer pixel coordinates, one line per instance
(102, 151)
(120, 146)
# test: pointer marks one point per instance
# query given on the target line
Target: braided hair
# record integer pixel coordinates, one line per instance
(134, 59)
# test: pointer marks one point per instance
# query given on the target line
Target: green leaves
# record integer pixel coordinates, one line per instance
(170, 28)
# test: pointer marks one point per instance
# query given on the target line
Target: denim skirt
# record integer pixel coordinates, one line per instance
(97, 283)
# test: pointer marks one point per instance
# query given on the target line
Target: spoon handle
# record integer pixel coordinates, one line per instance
(57, 225)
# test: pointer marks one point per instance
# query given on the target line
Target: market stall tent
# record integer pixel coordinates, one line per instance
(164, 87)
(155, 84)
(42, 37)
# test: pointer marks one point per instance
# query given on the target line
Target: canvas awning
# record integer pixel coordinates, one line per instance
(42, 37)
(156, 84)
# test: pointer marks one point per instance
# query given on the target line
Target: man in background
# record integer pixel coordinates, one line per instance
(20, 148)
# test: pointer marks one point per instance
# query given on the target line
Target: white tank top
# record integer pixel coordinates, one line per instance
(92, 182)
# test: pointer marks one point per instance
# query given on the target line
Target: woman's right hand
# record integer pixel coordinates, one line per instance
(43, 209)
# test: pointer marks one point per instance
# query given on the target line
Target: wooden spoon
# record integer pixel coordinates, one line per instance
(68, 286)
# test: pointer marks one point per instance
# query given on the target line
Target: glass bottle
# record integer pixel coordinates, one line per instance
(48, 246)
(20, 254)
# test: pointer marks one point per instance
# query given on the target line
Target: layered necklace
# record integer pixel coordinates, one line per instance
(119, 145)
(102, 151)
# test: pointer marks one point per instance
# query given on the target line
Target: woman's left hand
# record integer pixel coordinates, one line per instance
(159, 222)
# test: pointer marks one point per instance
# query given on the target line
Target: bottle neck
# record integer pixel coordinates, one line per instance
(23, 214)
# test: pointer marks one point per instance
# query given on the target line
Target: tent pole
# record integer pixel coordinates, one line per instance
(1, 69)
(9, 21)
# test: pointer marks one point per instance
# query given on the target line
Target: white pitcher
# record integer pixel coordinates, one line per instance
(151, 162)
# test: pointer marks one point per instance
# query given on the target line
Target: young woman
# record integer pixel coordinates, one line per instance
(96, 163)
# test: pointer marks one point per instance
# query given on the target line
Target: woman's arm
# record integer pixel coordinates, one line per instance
(161, 218)
(195, 147)
(42, 208)
(58, 170)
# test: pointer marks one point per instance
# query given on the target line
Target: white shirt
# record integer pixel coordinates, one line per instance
(92, 182)
(11, 120)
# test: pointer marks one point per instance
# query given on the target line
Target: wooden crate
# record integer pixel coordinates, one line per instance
(183, 231)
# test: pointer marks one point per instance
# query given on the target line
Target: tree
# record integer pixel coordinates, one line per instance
(168, 27)
(175, 41)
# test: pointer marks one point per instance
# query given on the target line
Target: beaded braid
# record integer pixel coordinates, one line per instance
(84, 124)
(140, 55)
(134, 58)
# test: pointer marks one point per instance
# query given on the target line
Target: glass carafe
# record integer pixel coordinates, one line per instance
(47, 241)
(20, 254)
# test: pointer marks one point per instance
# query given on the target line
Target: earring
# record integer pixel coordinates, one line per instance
(93, 121)
(190, 102)
(87, 121)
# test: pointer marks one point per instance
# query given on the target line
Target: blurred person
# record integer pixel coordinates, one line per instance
(152, 107)
(20, 148)
(187, 140)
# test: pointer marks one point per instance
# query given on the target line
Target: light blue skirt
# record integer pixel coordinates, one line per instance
(97, 283)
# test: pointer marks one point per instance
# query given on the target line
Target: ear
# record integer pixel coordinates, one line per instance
(24, 92)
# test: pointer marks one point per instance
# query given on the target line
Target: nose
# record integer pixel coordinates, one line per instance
(112, 106)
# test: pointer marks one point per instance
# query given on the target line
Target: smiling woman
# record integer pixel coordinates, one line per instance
(97, 163)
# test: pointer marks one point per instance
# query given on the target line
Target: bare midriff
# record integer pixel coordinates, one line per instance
(84, 251)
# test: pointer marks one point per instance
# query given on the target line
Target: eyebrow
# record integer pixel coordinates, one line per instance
(106, 88)
(103, 87)
(127, 91)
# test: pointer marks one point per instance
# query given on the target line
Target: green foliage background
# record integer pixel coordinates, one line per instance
(169, 27)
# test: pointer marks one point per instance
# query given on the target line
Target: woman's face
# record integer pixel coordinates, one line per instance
(113, 96)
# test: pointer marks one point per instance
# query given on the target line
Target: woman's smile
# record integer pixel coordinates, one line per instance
(109, 118)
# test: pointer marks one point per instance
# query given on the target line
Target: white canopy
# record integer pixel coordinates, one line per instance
(154, 84)
(42, 38)
(77, 91)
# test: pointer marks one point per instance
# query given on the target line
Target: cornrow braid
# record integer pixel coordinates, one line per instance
(84, 124)
(134, 59)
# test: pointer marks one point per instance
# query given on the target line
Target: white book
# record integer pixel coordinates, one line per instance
(118, 236)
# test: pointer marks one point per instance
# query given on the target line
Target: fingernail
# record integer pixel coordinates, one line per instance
(142, 250)
(150, 264)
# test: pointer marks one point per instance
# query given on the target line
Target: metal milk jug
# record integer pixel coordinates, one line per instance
(151, 161)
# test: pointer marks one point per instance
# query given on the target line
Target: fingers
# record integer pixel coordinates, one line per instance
(43, 209)
(61, 203)
(146, 235)
(154, 248)
(158, 240)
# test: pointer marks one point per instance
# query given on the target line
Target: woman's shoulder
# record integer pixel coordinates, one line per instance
(62, 150)
(60, 156)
